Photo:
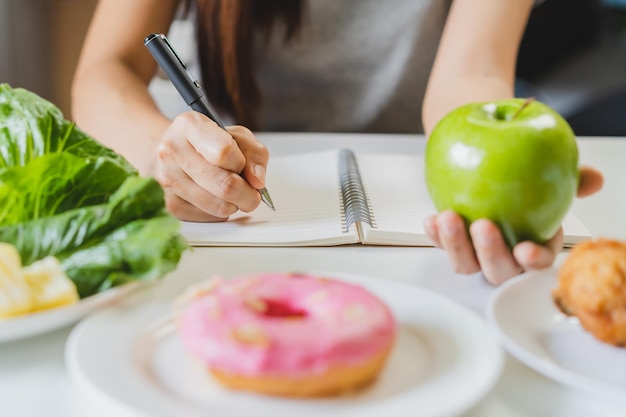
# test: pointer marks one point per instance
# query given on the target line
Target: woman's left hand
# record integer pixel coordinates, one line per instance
(484, 249)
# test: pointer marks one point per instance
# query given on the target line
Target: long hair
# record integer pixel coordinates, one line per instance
(224, 32)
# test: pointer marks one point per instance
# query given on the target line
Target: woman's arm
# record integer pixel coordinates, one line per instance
(477, 55)
(207, 173)
(110, 99)
(476, 62)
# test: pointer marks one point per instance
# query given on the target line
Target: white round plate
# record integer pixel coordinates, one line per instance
(445, 360)
(533, 330)
(19, 327)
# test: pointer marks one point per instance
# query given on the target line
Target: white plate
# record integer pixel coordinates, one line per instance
(445, 360)
(47, 320)
(533, 330)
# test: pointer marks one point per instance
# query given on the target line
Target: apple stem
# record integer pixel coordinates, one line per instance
(524, 105)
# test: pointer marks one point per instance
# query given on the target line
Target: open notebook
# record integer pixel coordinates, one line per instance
(383, 201)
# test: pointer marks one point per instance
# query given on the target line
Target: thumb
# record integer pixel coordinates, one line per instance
(591, 181)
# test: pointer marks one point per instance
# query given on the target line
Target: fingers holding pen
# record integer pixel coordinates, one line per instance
(199, 163)
(255, 153)
(213, 143)
(186, 177)
(197, 150)
(204, 209)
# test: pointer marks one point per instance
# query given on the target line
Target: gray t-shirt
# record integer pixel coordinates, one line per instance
(357, 66)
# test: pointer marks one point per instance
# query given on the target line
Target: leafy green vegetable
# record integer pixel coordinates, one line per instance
(65, 194)
(121, 256)
(137, 198)
(31, 127)
(54, 183)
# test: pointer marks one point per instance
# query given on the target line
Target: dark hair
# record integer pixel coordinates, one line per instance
(224, 32)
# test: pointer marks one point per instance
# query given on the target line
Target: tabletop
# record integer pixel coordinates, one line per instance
(34, 380)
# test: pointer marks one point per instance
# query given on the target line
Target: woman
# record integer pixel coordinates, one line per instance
(352, 65)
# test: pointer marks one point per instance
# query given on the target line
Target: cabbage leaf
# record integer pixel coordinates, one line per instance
(64, 194)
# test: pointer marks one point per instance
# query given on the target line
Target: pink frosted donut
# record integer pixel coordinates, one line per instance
(288, 334)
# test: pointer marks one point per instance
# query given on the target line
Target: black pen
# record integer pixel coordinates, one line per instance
(186, 84)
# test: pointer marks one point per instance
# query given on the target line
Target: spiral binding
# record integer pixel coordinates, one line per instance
(355, 204)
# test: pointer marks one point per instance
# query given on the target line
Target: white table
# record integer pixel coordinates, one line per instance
(34, 382)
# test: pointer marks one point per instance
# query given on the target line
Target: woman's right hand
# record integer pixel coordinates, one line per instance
(207, 173)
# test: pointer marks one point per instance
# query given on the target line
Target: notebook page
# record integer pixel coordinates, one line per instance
(574, 230)
(398, 196)
(305, 192)
(400, 202)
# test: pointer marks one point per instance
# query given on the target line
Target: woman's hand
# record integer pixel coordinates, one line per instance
(489, 252)
(207, 173)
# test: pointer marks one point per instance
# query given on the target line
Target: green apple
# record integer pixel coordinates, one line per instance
(512, 161)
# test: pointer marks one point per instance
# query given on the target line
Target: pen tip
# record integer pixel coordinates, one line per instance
(269, 203)
(265, 197)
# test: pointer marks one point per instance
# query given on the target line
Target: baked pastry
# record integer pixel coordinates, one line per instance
(287, 334)
(592, 287)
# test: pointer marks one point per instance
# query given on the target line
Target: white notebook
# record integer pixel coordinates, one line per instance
(312, 209)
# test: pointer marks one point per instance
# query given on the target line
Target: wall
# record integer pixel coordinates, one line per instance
(24, 45)
(40, 41)
(69, 22)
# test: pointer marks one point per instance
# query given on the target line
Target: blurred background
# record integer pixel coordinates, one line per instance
(39, 45)
(573, 56)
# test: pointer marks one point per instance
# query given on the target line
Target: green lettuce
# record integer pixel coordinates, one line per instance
(31, 127)
(65, 194)
(55, 183)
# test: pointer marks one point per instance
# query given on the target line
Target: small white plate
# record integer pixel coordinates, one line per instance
(19, 327)
(534, 331)
(445, 360)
